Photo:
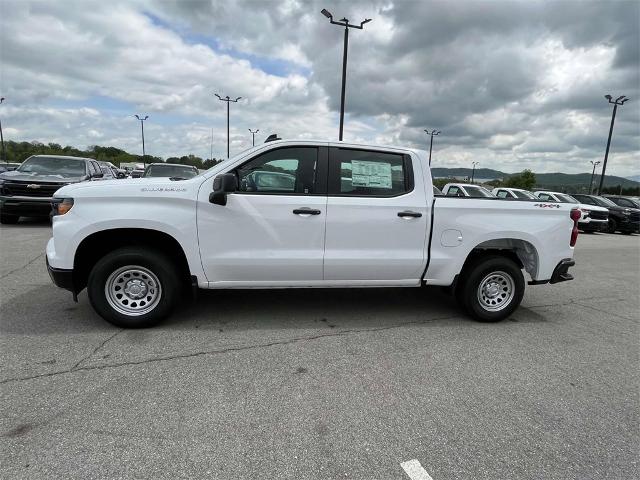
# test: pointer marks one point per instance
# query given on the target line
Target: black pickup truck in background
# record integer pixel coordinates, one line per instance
(621, 219)
(625, 202)
(27, 190)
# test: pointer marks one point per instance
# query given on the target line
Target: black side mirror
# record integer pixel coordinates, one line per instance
(223, 184)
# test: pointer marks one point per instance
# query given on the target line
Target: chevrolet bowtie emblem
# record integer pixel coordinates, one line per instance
(33, 185)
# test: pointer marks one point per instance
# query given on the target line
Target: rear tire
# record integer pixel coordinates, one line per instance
(6, 219)
(491, 288)
(133, 287)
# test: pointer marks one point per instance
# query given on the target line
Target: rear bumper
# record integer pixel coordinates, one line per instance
(25, 206)
(560, 273)
(61, 277)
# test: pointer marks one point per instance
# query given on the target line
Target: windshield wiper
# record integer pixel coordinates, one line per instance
(173, 179)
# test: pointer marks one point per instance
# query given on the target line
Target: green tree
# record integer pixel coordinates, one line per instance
(525, 180)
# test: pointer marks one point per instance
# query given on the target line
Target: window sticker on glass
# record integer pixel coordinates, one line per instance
(371, 174)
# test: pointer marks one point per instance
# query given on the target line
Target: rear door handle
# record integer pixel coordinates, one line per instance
(307, 211)
(409, 214)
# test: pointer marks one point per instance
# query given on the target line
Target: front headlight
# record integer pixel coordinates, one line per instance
(61, 206)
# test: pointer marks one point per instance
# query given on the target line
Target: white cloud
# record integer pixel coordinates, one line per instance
(512, 85)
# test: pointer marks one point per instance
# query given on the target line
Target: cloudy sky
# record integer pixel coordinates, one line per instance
(512, 85)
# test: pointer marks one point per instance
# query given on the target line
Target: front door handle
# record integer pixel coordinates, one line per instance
(307, 211)
(409, 214)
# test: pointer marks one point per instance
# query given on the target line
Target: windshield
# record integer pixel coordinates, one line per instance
(170, 171)
(478, 191)
(55, 166)
(566, 198)
(524, 194)
(604, 202)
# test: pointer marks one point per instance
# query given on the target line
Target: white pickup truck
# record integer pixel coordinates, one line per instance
(291, 214)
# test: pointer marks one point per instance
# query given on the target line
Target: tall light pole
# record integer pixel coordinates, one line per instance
(211, 147)
(139, 117)
(432, 133)
(595, 164)
(473, 171)
(253, 137)
(228, 100)
(4, 155)
(618, 101)
(343, 23)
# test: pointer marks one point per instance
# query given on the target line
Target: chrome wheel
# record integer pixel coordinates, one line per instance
(496, 291)
(133, 290)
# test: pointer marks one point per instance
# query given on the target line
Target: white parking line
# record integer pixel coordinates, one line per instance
(415, 470)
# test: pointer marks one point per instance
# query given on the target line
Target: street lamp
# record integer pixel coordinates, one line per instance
(595, 164)
(618, 101)
(142, 128)
(253, 137)
(432, 133)
(343, 23)
(4, 155)
(228, 100)
(473, 171)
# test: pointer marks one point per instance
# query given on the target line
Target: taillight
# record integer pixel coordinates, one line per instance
(575, 216)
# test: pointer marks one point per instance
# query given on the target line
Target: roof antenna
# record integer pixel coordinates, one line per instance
(272, 138)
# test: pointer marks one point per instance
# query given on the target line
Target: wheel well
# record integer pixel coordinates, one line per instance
(523, 253)
(98, 244)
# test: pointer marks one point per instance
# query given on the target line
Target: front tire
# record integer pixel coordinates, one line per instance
(133, 287)
(492, 288)
(613, 226)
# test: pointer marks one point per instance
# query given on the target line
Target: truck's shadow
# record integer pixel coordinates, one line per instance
(343, 308)
(243, 310)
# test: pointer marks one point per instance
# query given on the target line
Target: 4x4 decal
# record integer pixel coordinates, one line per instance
(546, 205)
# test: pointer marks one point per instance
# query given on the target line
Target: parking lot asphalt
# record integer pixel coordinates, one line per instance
(323, 384)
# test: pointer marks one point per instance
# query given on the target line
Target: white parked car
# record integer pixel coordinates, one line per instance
(593, 218)
(466, 190)
(352, 215)
(513, 193)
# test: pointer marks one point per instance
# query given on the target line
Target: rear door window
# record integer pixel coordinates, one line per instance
(366, 173)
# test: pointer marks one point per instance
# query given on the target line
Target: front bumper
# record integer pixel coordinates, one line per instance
(629, 226)
(594, 225)
(61, 277)
(26, 206)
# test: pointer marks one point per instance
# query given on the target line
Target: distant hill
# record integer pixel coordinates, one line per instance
(466, 172)
(543, 179)
(635, 178)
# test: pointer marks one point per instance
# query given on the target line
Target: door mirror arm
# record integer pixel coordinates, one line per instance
(222, 185)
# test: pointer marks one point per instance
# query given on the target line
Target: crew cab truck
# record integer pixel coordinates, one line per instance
(298, 214)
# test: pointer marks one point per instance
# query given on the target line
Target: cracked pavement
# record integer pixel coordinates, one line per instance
(323, 383)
